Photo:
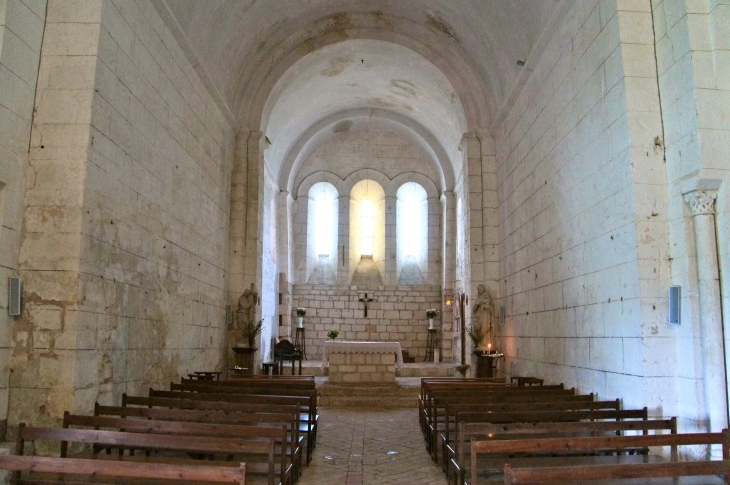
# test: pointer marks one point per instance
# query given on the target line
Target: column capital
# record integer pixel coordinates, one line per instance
(701, 202)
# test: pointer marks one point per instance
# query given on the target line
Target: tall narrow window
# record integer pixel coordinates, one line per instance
(322, 220)
(412, 234)
(367, 227)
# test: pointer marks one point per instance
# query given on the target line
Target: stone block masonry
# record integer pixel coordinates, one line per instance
(359, 368)
(397, 314)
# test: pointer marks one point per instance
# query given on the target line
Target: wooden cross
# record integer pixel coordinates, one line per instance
(366, 300)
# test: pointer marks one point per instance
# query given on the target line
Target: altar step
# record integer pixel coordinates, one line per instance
(369, 396)
(419, 369)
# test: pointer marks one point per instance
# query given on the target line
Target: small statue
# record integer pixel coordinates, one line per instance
(484, 310)
(246, 313)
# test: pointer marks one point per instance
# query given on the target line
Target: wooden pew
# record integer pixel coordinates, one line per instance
(266, 389)
(76, 470)
(452, 408)
(623, 467)
(284, 447)
(198, 445)
(227, 402)
(486, 391)
(458, 455)
(506, 394)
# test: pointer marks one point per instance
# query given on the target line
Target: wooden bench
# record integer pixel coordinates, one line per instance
(453, 408)
(76, 470)
(284, 446)
(585, 468)
(196, 445)
(459, 455)
(257, 416)
(191, 388)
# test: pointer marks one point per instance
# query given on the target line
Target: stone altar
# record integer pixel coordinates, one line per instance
(362, 362)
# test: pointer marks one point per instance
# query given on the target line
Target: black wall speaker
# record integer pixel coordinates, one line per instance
(15, 291)
(675, 305)
(229, 315)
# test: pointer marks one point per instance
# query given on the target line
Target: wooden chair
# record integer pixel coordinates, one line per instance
(285, 351)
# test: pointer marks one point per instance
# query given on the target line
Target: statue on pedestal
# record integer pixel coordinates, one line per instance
(245, 315)
(484, 311)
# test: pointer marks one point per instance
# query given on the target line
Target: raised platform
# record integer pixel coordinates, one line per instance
(419, 369)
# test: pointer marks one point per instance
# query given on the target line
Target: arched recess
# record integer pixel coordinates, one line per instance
(326, 128)
(367, 269)
(428, 185)
(322, 233)
(412, 244)
(315, 178)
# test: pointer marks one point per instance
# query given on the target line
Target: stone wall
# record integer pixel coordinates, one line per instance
(21, 30)
(583, 234)
(126, 232)
(359, 368)
(398, 314)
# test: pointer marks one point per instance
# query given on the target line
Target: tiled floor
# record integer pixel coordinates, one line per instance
(370, 447)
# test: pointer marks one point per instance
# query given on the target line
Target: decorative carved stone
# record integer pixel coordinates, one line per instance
(701, 202)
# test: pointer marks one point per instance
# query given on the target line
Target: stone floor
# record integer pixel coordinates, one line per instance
(370, 447)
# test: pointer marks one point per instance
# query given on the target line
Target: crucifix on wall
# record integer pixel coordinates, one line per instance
(366, 300)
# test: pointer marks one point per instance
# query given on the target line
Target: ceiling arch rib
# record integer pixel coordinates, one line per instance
(325, 129)
(391, 81)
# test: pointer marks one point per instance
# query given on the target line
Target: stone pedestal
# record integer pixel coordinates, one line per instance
(361, 368)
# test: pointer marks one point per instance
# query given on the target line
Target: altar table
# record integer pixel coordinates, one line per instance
(362, 362)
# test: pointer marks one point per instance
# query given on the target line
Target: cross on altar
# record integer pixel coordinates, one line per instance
(366, 300)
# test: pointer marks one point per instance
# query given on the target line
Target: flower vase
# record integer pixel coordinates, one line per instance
(301, 322)
(430, 323)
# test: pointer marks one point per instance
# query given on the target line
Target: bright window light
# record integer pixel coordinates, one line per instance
(324, 226)
(367, 227)
(412, 220)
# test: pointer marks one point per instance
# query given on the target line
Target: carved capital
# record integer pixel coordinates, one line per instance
(701, 202)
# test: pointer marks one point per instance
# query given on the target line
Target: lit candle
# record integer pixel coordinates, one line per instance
(489, 347)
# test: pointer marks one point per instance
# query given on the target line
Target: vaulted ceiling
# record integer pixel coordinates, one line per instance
(284, 66)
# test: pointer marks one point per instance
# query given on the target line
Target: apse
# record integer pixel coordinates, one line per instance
(360, 75)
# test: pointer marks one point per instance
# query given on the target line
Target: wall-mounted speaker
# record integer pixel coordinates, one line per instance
(15, 293)
(675, 305)
(229, 315)
(502, 315)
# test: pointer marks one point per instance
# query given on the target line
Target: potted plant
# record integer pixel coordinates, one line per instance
(431, 313)
(300, 315)
(332, 334)
(249, 331)
(476, 334)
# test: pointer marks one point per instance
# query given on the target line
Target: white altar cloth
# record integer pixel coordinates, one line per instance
(352, 347)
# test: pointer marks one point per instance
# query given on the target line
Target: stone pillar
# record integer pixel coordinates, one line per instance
(390, 275)
(702, 205)
(433, 276)
(448, 239)
(344, 273)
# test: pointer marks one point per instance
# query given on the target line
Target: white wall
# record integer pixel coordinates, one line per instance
(583, 218)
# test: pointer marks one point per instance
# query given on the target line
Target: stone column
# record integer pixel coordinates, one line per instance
(702, 205)
(343, 241)
(390, 275)
(433, 276)
(448, 239)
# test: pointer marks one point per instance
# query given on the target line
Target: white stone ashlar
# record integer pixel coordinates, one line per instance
(702, 205)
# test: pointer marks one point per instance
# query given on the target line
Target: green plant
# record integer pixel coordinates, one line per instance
(332, 334)
(301, 311)
(476, 334)
(431, 313)
(249, 331)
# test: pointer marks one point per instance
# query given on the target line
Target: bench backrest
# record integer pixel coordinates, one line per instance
(124, 469)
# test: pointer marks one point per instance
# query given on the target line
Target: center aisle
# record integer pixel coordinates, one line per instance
(370, 447)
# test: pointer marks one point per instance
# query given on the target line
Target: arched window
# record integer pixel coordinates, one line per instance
(322, 220)
(412, 234)
(367, 234)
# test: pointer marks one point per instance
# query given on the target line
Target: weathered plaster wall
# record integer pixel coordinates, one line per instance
(583, 218)
(127, 211)
(21, 32)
